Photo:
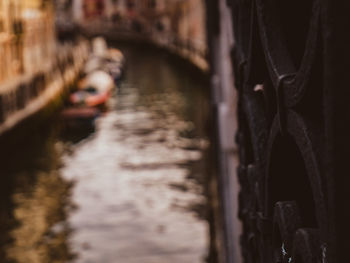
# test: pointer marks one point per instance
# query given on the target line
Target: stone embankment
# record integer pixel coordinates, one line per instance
(27, 94)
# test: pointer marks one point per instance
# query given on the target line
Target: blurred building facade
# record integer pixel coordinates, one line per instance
(26, 36)
(35, 68)
(176, 24)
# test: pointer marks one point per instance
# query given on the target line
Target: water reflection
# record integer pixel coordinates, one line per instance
(128, 192)
(35, 203)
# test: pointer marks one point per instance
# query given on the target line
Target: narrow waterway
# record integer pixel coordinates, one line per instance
(132, 190)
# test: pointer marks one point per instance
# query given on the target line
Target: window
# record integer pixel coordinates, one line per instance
(152, 3)
(130, 4)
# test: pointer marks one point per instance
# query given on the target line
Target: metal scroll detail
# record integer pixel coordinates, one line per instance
(278, 75)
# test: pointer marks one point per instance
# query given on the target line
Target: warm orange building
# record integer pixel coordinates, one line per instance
(10, 29)
(26, 36)
(93, 8)
(38, 34)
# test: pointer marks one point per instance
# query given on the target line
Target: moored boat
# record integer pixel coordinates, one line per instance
(101, 74)
(80, 117)
(93, 90)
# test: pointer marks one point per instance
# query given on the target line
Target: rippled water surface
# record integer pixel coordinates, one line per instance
(130, 191)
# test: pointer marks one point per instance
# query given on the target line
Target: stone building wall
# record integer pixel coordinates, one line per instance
(26, 37)
(177, 25)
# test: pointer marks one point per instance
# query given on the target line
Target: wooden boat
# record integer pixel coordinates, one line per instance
(94, 90)
(80, 117)
(80, 113)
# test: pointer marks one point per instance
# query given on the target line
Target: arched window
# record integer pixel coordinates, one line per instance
(152, 3)
(130, 4)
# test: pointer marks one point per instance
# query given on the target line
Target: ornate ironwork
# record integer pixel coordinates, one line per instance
(291, 61)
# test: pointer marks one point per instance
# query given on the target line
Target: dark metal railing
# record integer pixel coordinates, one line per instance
(290, 64)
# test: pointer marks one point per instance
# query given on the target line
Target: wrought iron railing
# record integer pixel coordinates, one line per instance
(291, 64)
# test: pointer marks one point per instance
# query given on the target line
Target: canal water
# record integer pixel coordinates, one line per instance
(131, 190)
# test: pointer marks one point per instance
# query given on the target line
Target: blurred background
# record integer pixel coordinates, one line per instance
(104, 131)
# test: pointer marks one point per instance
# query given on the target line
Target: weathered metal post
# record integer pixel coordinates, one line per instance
(220, 38)
(336, 41)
